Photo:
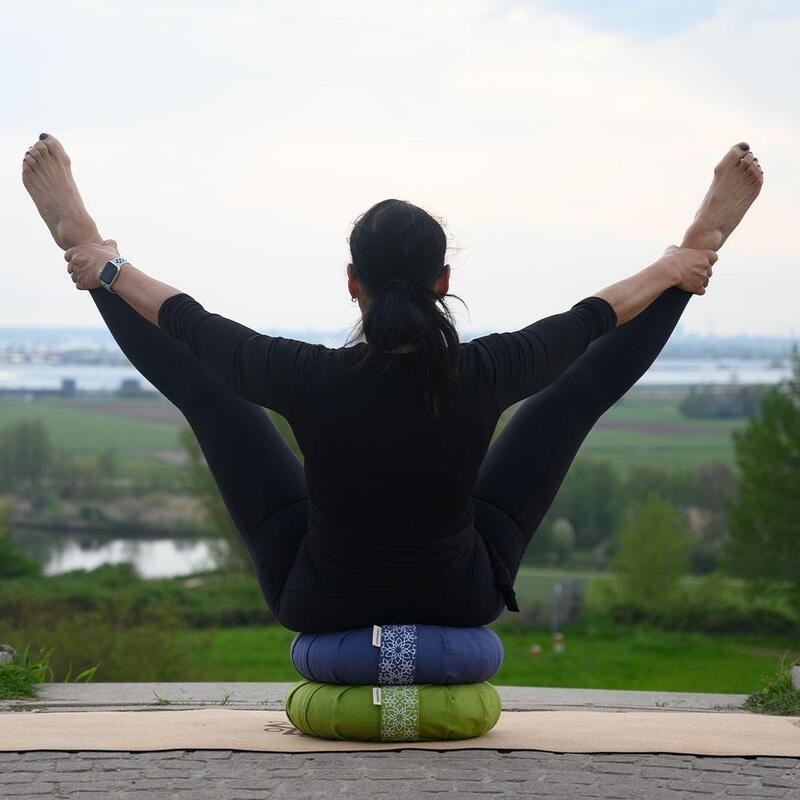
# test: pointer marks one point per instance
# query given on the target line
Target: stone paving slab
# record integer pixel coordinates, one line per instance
(134, 696)
(466, 775)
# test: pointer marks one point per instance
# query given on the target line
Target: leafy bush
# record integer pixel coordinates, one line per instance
(199, 601)
(704, 606)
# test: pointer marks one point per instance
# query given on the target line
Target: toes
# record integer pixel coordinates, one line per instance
(29, 162)
(38, 151)
(55, 147)
(755, 171)
(730, 159)
(746, 160)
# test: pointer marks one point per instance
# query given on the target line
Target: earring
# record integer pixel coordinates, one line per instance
(353, 299)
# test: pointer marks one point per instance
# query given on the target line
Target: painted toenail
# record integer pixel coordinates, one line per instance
(744, 146)
(42, 136)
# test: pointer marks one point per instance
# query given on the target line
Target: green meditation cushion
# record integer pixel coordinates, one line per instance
(411, 713)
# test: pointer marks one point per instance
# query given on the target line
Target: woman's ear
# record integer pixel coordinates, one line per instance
(443, 287)
(352, 283)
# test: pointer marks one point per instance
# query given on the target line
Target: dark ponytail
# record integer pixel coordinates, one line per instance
(398, 255)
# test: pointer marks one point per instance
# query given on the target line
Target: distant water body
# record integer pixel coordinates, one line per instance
(664, 372)
(156, 558)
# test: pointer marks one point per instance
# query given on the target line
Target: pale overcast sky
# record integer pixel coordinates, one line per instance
(228, 147)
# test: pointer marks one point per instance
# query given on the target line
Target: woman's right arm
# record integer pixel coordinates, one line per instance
(521, 363)
(679, 266)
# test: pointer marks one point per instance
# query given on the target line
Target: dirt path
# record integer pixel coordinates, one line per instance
(161, 411)
(661, 428)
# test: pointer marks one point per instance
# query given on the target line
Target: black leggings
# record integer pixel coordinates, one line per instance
(263, 485)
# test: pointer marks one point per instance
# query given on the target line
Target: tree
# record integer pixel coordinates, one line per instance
(764, 519)
(722, 402)
(562, 539)
(25, 455)
(13, 562)
(652, 553)
(591, 500)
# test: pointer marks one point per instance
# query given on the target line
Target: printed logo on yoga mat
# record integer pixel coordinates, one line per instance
(400, 713)
(397, 663)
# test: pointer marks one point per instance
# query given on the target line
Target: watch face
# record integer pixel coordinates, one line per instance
(108, 272)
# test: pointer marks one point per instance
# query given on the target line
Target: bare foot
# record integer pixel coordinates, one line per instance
(737, 182)
(47, 175)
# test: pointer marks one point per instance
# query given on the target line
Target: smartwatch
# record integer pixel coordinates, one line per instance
(110, 272)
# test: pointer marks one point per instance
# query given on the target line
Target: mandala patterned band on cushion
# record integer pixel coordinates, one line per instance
(397, 662)
(400, 713)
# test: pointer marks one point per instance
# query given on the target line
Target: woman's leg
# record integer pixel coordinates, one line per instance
(527, 462)
(258, 475)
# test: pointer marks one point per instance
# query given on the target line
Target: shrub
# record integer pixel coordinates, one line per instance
(776, 695)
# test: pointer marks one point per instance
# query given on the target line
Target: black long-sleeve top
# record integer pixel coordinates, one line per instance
(371, 449)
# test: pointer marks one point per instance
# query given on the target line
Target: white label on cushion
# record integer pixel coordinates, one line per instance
(397, 663)
(400, 714)
(376, 696)
(376, 635)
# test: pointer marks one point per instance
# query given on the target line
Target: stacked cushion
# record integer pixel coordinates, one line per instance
(408, 713)
(405, 654)
(396, 683)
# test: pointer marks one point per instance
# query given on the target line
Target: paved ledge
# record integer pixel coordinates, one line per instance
(138, 696)
(404, 774)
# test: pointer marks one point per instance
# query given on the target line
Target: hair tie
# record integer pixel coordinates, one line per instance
(398, 283)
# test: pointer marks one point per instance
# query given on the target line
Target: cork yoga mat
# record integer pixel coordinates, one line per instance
(698, 733)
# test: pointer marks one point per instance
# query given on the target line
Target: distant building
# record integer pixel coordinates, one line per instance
(69, 388)
(130, 387)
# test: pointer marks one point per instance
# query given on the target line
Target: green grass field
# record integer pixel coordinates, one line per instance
(82, 431)
(627, 449)
(682, 443)
(597, 657)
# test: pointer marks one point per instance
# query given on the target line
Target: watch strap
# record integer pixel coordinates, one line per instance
(118, 262)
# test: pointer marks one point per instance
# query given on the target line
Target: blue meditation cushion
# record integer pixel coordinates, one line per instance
(392, 655)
